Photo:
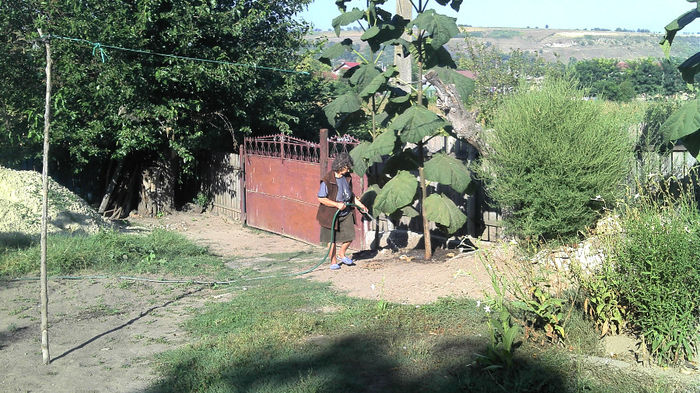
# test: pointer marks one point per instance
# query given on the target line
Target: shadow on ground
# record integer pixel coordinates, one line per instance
(354, 363)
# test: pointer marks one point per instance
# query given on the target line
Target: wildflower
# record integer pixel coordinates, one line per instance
(487, 309)
(478, 303)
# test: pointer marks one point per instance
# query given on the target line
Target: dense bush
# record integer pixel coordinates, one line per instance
(555, 157)
(657, 273)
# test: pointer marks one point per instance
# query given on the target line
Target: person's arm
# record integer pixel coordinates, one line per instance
(331, 203)
(360, 204)
(324, 200)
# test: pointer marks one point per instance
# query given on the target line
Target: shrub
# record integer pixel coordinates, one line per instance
(554, 158)
(657, 272)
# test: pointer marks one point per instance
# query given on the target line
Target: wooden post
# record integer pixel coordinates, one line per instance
(242, 174)
(323, 150)
(403, 64)
(45, 209)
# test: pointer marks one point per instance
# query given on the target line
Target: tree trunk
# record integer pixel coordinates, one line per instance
(45, 210)
(463, 121)
(110, 188)
(157, 195)
(130, 193)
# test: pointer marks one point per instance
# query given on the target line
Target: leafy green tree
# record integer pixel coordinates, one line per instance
(408, 122)
(497, 74)
(149, 111)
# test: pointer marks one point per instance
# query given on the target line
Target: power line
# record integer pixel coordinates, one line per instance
(98, 47)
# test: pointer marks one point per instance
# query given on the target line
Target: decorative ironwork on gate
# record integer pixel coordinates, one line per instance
(291, 148)
(283, 146)
(341, 143)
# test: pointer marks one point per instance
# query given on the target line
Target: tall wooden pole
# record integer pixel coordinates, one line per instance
(45, 209)
(403, 64)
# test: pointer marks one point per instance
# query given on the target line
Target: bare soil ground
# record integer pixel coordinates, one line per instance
(104, 333)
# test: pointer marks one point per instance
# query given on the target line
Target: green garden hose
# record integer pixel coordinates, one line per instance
(228, 282)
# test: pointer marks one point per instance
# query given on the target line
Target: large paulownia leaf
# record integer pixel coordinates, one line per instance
(455, 4)
(692, 143)
(408, 211)
(396, 193)
(448, 171)
(683, 122)
(341, 4)
(347, 18)
(677, 25)
(369, 196)
(404, 161)
(440, 28)
(442, 210)
(360, 163)
(346, 103)
(464, 85)
(416, 123)
(375, 85)
(439, 57)
(382, 145)
(387, 32)
(690, 68)
(370, 33)
(335, 50)
(363, 76)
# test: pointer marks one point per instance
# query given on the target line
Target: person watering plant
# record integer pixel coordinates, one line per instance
(334, 194)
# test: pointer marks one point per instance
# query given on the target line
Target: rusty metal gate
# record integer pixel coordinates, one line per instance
(282, 176)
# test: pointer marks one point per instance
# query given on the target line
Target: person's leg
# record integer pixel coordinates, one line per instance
(331, 253)
(343, 248)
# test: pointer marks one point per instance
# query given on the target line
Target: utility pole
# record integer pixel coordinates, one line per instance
(403, 64)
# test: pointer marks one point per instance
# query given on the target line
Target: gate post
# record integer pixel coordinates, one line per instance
(323, 150)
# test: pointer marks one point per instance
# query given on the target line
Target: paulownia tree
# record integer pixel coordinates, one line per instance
(684, 124)
(407, 122)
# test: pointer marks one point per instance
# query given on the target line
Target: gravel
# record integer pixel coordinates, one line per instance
(20, 206)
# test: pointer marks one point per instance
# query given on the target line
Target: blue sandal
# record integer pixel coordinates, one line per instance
(335, 266)
(346, 261)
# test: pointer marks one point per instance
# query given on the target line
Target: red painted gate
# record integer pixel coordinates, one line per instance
(282, 176)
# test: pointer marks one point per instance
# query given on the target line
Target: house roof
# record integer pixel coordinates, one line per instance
(346, 65)
(467, 73)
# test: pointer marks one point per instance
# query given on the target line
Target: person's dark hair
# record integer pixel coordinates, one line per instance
(341, 161)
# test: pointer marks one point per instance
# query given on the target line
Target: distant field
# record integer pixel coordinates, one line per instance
(561, 45)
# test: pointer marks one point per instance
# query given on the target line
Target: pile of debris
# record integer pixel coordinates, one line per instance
(21, 202)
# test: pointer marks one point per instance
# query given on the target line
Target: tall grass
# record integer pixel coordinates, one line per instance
(656, 270)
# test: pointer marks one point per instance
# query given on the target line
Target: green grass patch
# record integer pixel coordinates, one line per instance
(504, 34)
(158, 252)
(292, 335)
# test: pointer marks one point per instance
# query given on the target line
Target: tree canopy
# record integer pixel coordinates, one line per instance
(114, 104)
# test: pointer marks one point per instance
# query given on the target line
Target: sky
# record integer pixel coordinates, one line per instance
(558, 14)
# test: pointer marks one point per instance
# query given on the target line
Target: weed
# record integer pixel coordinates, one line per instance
(655, 268)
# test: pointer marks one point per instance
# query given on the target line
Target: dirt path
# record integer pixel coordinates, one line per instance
(104, 334)
(393, 276)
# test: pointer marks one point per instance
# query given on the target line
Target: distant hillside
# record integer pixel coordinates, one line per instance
(562, 45)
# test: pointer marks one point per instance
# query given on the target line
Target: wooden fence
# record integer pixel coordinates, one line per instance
(226, 184)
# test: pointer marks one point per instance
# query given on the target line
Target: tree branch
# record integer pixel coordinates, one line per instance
(463, 121)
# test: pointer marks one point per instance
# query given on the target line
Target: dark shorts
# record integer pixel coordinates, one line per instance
(345, 234)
